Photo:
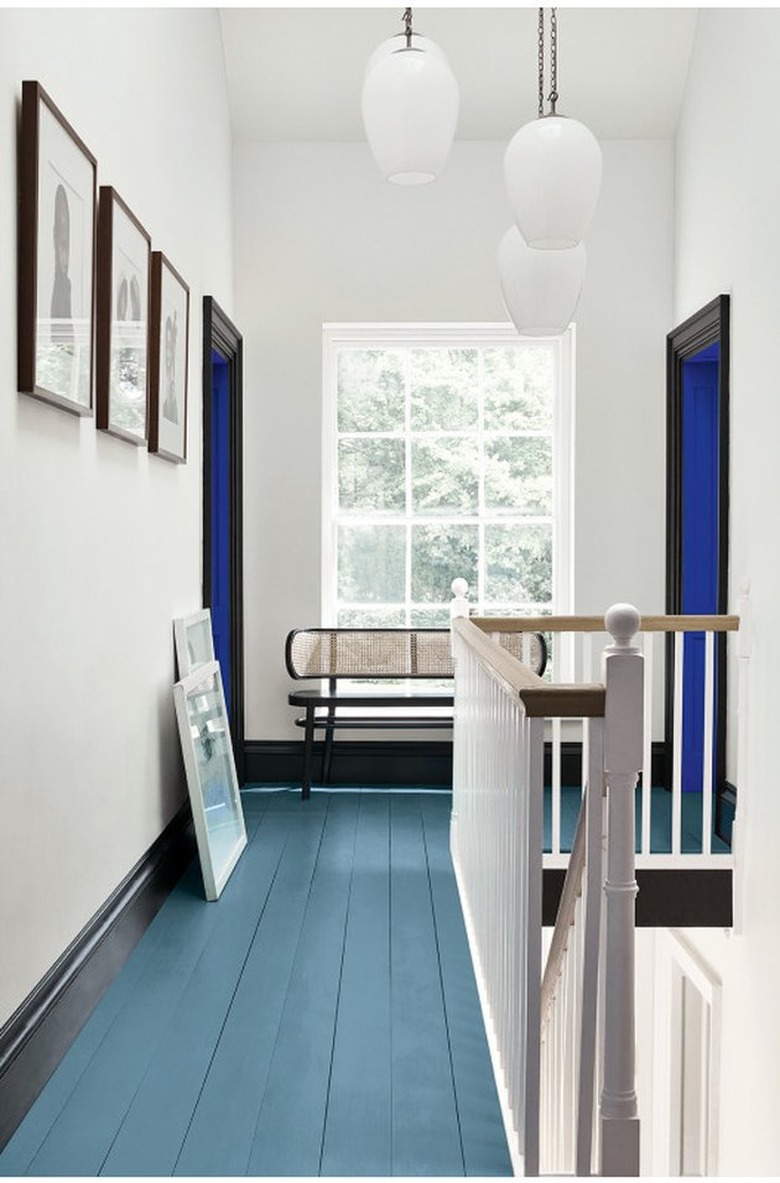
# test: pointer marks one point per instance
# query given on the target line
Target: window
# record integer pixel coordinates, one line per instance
(446, 453)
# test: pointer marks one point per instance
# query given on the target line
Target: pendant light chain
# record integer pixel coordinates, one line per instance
(541, 62)
(553, 96)
(407, 19)
(553, 60)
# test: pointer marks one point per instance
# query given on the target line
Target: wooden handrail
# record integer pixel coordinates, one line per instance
(541, 700)
(595, 624)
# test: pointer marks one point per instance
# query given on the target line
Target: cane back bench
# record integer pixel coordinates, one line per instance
(384, 659)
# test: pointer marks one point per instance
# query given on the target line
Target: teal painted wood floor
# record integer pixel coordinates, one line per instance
(320, 1019)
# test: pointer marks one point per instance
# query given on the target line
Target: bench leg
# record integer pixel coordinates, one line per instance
(308, 744)
(327, 755)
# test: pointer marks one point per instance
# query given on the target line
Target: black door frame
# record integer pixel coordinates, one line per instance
(220, 334)
(709, 325)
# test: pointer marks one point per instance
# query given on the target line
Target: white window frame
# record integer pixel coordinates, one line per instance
(422, 336)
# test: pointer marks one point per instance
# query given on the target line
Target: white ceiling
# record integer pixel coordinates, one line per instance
(296, 73)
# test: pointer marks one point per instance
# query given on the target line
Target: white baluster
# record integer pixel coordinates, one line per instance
(647, 759)
(623, 667)
(709, 732)
(677, 743)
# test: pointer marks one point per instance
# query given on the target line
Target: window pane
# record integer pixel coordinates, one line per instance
(518, 389)
(444, 389)
(371, 564)
(430, 617)
(371, 475)
(371, 618)
(518, 563)
(445, 476)
(439, 555)
(371, 389)
(518, 475)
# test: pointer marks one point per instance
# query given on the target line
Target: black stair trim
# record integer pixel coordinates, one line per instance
(667, 897)
(39, 1033)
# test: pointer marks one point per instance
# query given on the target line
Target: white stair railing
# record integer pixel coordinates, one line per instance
(575, 650)
(500, 713)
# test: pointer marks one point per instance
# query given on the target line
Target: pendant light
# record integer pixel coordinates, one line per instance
(541, 288)
(552, 167)
(410, 107)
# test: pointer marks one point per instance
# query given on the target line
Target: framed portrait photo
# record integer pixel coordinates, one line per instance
(122, 320)
(194, 641)
(211, 775)
(57, 193)
(168, 361)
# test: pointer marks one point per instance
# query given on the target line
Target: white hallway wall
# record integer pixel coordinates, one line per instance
(100, 541)
(728, 240)
(321, 237)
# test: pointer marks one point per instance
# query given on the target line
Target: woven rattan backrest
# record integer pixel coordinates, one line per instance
(390, 653)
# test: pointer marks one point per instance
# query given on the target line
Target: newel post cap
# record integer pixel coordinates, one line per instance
(459, 605)
(622, 623)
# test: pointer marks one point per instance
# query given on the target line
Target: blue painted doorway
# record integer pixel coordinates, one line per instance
(697, 532)
(223, 590)
(700, 541)
(219, 592)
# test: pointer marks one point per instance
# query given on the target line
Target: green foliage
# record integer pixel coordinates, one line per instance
(444, 385)
(503, 468)
(518, 563)
(371, 564)
(518, 386)
(371, 475)
(445, 476)
(440, 554)
(371, 386)
(518, 475)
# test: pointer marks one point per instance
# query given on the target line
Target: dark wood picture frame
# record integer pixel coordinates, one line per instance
(122, 320)
(57, 205)
(169, 325)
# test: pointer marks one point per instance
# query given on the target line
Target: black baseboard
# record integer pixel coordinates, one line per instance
(385, 762)
(357, 762)
(37, 1035)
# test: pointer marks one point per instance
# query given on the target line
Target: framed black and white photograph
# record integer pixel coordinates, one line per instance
(168, 361)
(58, 185)
(122, 319)
(211, 775)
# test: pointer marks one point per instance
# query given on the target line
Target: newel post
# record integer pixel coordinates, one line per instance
(623, 674)
(459, 605)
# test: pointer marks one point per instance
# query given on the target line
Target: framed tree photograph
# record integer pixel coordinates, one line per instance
(122, 320)
(168, 361)
(57, 203)
(211, 775)
(194, 641)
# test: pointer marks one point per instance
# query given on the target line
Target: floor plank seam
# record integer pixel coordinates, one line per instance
(231, 1003)
(443, 991)
(252, 832)
(338, 992)
(292, 969)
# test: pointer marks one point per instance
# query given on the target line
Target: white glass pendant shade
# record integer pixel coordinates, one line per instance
(552, 168)
(410, 109)
(541, 288)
